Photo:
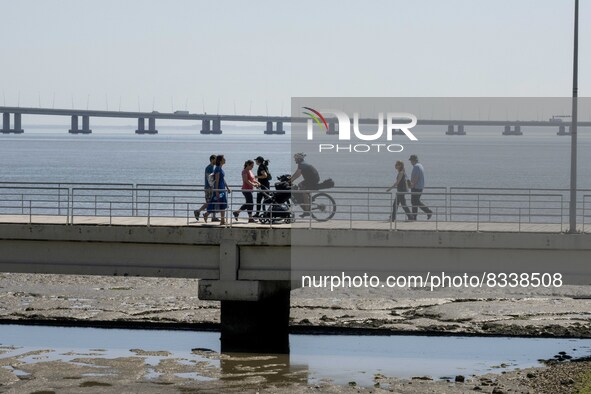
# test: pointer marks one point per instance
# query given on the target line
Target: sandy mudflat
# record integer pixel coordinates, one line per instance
(564, 313)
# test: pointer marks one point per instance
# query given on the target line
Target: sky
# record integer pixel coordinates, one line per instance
(251, 57)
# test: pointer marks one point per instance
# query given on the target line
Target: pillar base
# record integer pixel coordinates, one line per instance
(256, 326)
(254, 314)
(12, 131)
(146, 131)
(79, 131)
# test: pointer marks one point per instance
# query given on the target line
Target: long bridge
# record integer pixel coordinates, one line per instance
(149, 230)
(212, 124)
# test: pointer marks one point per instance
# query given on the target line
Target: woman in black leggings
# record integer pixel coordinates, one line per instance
(264, 179)
(248, 184)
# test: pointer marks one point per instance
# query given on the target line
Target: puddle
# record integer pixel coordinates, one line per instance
(314, 358)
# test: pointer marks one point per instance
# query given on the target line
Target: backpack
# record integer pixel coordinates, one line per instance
(211, 180)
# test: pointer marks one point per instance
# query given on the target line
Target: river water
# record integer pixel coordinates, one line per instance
(483, 158)
(313, 358)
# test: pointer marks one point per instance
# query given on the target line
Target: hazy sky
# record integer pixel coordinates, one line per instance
(256, 55)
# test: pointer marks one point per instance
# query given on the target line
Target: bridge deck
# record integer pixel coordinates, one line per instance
(303, 223)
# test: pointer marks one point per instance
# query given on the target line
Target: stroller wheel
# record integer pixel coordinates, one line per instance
(265, 220)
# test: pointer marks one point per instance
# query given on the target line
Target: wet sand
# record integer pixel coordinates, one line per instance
(136, 301)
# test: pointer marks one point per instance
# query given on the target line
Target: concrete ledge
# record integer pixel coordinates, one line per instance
(240, 290)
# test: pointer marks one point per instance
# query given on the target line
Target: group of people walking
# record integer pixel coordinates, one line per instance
(217, 190)
(416, 184)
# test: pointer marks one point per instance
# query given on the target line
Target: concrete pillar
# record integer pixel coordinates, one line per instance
(461, 130)
(515, 131)
(562, 130)
(152, 126)
(86, 125)
(216, 127)
(6, 122)
(450, 130)
(205, 126)
(259, 326)
(18, 129)
(279, 128)
(141, 126)
(74, 125)
(269, 129)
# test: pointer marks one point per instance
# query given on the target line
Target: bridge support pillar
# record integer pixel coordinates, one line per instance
(216, 126)
(205, 126)
(6, 124)
(85, 125)
(451, 130)
(74, 125)
(516, 130)
(141, 126)
(278, 128)
(152, 126)
(254, 314)
(562, 130)
(269, 129)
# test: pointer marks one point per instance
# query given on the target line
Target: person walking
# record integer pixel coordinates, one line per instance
(219, 201)
(401, 190)
(417, 184)
(264, 178)
(207, 189)
(248, 184)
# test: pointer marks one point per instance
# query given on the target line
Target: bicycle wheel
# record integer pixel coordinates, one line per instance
(322, 207)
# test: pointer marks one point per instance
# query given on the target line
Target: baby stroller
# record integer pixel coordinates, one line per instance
(277, 205)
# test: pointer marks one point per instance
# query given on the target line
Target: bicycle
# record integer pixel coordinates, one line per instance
(278, 206)
(322, 206)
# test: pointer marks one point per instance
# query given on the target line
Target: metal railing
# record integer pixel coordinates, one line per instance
(355, 206)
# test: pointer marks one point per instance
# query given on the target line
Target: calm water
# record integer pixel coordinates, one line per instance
(338, 358)
(483, 158)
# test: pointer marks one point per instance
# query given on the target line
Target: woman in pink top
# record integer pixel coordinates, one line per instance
(248, 184)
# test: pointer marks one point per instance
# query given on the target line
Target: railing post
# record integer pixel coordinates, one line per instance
(110, 213)
(519, 226)
(450, 206)
(22, 204)
(95, 197)
(529, 207)
(149, 205)
(30, 212)
(173, 206)
(350, 216)
(187, 214)
(231, 212)
(367, 204)
(73, 204)
(478, 212)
